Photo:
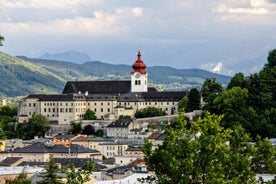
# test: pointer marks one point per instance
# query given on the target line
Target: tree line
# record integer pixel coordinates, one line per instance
(229, 143)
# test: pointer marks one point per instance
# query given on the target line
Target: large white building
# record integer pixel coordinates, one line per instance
(108, 99)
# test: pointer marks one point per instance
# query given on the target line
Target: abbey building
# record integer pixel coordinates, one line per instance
(108, 99)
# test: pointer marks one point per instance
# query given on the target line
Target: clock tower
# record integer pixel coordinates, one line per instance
(139, 77)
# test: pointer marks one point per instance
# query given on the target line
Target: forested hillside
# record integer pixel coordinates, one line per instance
(21, 76)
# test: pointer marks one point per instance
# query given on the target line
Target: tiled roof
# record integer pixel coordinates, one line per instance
(97, 87)
(78, 162)
(154, 135)
(9, 161)
(120, 123)
(134, 149)
(138, 161)
(39, 147)
(65, 136)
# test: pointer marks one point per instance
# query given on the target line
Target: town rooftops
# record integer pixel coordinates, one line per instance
(39, 147)
(120, 123)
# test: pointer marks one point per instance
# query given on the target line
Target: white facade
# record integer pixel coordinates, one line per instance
(139, 82)
(112, 149)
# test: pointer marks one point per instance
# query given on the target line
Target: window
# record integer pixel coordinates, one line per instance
(108, 110)
(101, 109)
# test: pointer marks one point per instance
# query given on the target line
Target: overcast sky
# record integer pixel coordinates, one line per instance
(226, 36)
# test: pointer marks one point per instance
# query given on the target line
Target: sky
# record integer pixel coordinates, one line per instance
(223, 36)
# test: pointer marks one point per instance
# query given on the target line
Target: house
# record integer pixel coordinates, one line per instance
(120, 128)
(40, 152)
(112, 149)
(108, 99)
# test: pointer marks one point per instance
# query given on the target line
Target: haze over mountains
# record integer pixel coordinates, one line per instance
(21, 76)
(250, 65)
(71, 56)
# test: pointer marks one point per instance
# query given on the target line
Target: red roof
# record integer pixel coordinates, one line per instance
(139, 65)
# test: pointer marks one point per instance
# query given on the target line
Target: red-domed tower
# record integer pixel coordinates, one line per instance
(139, 75)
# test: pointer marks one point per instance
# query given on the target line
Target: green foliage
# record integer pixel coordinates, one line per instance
(210, 90)
(124, 117)
(208, 153)
(7, 118)
(21, 178)
(75, 128)
(50, 176)
(38, 125)
(271, 59)
(99, 133)
(89, 115)
(1, 40)
(149, 112)
(237, 80)
(251, 101)
(183, 103)
(79, 177)
(193, 100)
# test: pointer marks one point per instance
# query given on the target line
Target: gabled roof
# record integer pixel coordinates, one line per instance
(120, 123)
(39, 147)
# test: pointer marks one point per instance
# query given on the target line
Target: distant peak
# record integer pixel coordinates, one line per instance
(70, 56)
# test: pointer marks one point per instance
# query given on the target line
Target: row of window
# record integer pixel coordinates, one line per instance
(66, 104)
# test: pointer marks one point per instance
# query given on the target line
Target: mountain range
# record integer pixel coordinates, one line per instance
(21, 75)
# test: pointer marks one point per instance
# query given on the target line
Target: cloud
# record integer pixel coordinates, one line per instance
(49, 4)
(261, 7)
(99, 23)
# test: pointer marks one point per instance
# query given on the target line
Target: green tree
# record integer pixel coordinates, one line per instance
(7, 120)
(237, 80)
(208, 153)
(1, 40)
(38, 125)
(99, 133)
(149, 112)
(183, 103)
(75, 128)
(89, 115)
(271, 58)
(50, 176)
(210, 90)
(193, 100)
(79, 177)
(21, 178)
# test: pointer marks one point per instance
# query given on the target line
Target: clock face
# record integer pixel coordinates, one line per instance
(137, 74)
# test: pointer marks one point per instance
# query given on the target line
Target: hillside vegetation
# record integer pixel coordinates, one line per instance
(21, 76)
